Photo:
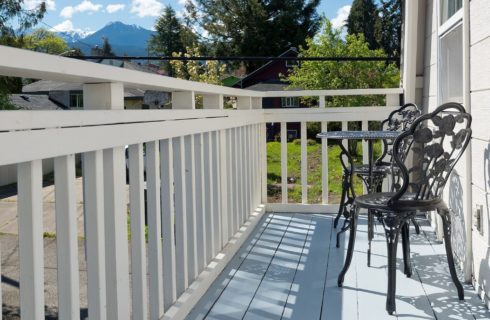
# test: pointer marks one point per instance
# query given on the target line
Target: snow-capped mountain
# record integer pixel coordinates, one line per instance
(124, 39)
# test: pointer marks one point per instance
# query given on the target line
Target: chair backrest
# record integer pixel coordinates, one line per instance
(437, 140)
(401, 118)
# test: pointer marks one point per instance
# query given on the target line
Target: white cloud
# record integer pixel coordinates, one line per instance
(84, 6)
(342, 14)
(111, 8)
(67, 26)
(145, 8)
(33, 4)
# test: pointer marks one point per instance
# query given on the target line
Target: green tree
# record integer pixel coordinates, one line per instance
(42, 40)
(253, 27)
(11, 10)
(363, 18)
(346, 74)
(389, 27)
(171, 36)
(107, 48)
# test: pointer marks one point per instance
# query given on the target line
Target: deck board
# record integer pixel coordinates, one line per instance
(288, 269)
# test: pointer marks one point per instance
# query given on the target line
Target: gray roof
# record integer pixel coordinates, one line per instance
(34, 102)
(46, 86)
(266, 86)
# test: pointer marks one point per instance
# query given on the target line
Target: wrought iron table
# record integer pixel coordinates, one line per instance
(371, 185)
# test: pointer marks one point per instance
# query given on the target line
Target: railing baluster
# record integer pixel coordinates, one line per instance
(190, 211)
(31, 245)
(284, 163)
(94, 226)
(216, 213)
(168, 222)
(365, 154)
(223, 190)
(345, 126)
(241, 176)
(154, 229)
(246, 169)
(324, 164)
(138, 242)
(199, 180)
(208, 197)
(66, 238)
(180, 215)
(236, 190)
(304, 165)
(116, 234)
(263, 161)
(230, 184)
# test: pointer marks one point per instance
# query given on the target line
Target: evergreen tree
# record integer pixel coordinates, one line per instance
(389, 27)
(107, 48)
(363, 18)
(252, 27)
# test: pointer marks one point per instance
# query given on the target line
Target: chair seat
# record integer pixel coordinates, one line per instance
(407, 202)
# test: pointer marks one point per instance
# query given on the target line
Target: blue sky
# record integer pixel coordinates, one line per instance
(91, 15)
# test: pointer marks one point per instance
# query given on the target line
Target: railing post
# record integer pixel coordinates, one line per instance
(244, 103)
(110, 96)
(31, 248)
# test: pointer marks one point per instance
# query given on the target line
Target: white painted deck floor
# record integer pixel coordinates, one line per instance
(288, 269)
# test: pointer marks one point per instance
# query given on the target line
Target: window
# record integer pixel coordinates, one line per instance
(76, 100)
(451, 66)
(449, 8)
(290, 102)
(291, 63)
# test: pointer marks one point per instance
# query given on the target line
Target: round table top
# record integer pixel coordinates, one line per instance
(365, 135)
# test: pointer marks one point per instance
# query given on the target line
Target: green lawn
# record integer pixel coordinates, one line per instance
(314, 171)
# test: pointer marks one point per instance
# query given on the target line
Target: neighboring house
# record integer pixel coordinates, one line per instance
(35, 102)
(451, 50)
(269, 77)
(70, 95)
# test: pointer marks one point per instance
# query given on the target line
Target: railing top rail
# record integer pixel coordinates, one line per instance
(334, 92)
(29, 64)
(24, 63)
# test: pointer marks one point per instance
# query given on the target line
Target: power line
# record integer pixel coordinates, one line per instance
(241, 58)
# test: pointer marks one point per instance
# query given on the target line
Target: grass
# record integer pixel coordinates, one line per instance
(314, 155)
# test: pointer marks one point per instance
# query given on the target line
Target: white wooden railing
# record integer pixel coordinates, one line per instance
(205, 182)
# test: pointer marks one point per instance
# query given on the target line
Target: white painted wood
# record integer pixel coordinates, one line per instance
(208, 189)
(233, 180)
(326, 114)
(321, 102)
(213, 101)
(263, 161)
(183, 100)
(139, 285)
(284, 163)
(324, 165)
(181, 262)
(410, 49)
(66, 238)
(31, 248)
(256, 103)
(168, 222)
(223, 189)
(244, 103)
(334, 92)
(200, 202)
(365, 153)
(51, 67)
(94, 226)
(116, 234)
(229, 184)
(344, 128)
(199, 287)
(393, 100)
(246, 166)
(216, 200)
(190, 205)
(304, 165)
(240, 176)
(154, 230)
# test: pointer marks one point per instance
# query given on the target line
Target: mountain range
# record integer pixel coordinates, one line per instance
(124, 39)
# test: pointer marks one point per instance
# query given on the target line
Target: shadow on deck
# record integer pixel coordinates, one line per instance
(288, 269)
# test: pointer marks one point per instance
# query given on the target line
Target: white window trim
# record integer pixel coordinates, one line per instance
(450, 23)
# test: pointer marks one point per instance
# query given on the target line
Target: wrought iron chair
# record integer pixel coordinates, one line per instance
(398, 120)
(425, 154)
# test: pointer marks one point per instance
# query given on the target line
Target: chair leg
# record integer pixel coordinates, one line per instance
(392, 231)
(416, 225)
(446, 223)
(370, 235)
(350, 248)
(342, 200)
(345, 227)
(406, 249)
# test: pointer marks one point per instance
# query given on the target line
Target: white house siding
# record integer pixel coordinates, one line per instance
(480, 109)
